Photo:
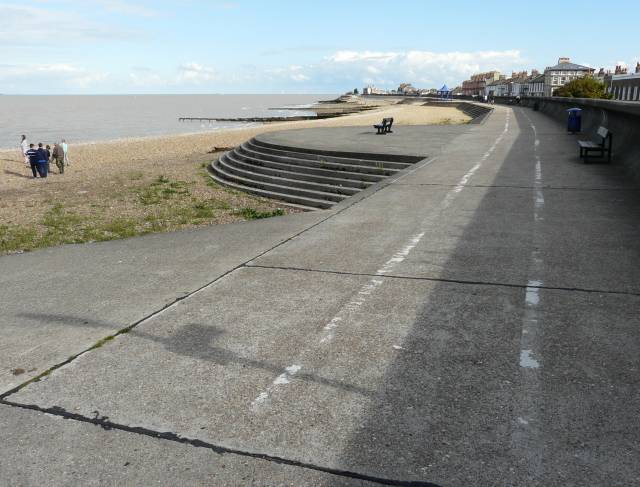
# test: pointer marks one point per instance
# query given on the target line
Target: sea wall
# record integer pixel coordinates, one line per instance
(622, 119)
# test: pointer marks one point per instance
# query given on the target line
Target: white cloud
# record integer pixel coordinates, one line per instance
(88, 80)
(51, 74)
(29, 26)
(196, 73)
(300, 77)
(127, 8)
(420, 67)
(146, 79)
(368, 56)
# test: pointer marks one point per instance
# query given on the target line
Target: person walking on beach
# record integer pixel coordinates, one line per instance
(24, 147)
(58, 157)
(65, 152)
(48, 150)
(43, 161)
(32, 154)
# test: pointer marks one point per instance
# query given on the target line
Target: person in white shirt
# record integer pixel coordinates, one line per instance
(24, 147)
(65, 149)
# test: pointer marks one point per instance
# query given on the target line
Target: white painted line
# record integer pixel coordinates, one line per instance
(527, 436)
(282, 379)
(527, 361)
(353, 306)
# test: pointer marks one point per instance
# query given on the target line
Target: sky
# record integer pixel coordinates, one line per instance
(272, 46)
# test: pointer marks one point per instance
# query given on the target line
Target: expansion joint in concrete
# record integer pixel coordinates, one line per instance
(507, 186)
(166, 307)
(452, 281)
(104, 423)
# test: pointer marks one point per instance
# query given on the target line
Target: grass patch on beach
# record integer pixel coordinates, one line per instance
(131, 204)
(253, 214)
(162, 190)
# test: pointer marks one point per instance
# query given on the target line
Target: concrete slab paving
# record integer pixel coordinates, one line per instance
(409, 140)
(41, 449)
(229, 390)
(50, 297)
(588, 242)
(421, 382)
(434, 331)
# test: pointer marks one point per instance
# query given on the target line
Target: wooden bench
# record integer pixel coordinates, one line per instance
(385, 126)
(602, 146)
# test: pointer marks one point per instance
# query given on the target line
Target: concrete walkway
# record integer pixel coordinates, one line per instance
(474, 321)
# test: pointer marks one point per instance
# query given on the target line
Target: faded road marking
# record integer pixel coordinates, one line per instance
(353, 306)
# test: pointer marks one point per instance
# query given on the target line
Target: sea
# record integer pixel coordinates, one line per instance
(94, 118)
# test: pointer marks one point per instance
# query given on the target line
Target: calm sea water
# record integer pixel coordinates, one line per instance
(106, 117)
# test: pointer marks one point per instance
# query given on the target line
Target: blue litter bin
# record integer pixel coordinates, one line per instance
(574, 122)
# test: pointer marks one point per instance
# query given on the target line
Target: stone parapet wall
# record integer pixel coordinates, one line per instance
(622, 119)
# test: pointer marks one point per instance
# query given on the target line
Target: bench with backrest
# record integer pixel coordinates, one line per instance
(600, 147)
(385, 126)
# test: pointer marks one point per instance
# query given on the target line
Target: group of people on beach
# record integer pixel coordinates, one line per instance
(40, 158)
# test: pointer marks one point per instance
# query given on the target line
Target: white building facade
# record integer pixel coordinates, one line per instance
(562, 73)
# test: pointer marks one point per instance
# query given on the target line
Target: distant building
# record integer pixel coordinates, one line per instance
(602, 75)
(372, 90)
(621, 69)
(407, 89)
(563, 72)
(534, 85)
(625, 86)
(497, 88)
(475, 86)
(516, 85)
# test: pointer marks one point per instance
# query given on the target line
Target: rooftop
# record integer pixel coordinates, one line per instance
(569, 67)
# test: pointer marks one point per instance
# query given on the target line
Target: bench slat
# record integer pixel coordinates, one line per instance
(588, 144)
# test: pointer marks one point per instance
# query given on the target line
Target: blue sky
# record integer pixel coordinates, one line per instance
(242, 46)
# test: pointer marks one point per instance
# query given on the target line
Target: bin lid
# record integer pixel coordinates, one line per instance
(574, 110)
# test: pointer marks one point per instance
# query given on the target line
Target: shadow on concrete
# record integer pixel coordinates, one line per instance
(195, 341)
(447, 408)
(19, 174)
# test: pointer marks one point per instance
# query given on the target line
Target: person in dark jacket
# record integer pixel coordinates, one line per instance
(32, 154)
(43, 161)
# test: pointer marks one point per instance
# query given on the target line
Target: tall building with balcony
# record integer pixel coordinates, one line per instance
(475, 86)
(563, 72)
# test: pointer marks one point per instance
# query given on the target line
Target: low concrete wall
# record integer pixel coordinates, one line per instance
(621, 118)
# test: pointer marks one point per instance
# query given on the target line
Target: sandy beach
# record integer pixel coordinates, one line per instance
(104, 177)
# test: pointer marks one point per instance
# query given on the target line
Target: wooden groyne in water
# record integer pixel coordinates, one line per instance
(320, 113)
(251, 119)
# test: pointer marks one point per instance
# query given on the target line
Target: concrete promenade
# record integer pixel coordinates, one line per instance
(472, 321)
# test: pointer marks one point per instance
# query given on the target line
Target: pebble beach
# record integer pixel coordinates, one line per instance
(92, 159)
(106, 181)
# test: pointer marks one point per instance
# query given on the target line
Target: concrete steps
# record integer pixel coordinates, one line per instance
(476, 112)
(302, 177)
